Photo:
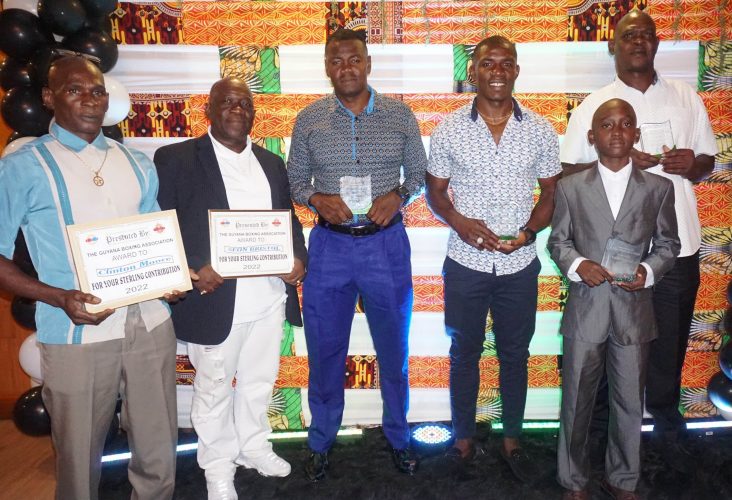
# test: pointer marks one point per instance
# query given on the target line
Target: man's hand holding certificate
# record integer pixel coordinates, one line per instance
(129, 260)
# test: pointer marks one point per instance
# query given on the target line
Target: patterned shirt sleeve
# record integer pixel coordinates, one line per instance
(415, 158)
(549, 165)
(439, 162)
(298, 163)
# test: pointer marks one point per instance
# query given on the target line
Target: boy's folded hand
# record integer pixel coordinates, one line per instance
(592, 273)
(638, 283)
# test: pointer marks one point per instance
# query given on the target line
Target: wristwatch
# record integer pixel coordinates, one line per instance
(403, 193)
(530, 234)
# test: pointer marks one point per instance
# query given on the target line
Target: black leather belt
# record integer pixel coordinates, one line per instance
(358, 231)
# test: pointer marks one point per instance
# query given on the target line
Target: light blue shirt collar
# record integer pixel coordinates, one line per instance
(369, 107)
(73, 141)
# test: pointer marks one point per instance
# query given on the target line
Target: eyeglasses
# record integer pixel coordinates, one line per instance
(59, 53)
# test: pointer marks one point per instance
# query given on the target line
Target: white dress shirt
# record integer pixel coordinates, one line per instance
(247, 188)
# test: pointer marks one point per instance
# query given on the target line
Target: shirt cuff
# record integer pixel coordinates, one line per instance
(650, 279)
(572, 271)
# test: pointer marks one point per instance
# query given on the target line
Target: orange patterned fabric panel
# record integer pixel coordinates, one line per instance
(714, 200)
(361, 372)
(719, 109)
(261, 23)
(429, 293)
(470, 21)
(712, 292)
(276, 113)
(698, 19)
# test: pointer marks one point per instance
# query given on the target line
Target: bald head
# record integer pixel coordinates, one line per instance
(62, 67)
(612, 106)
(635, 16)
(230, 109)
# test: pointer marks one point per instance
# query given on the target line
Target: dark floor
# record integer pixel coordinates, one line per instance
(361, 468)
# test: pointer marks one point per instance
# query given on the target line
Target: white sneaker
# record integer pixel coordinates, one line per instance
(222, 489)
(268, 464)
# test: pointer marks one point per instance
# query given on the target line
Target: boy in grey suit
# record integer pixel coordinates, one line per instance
(608, 324)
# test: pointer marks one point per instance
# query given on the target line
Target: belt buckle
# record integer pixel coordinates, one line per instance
(365, 230)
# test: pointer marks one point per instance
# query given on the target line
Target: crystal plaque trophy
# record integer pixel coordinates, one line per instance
(654, 136)
(503, 220)
(621, 259)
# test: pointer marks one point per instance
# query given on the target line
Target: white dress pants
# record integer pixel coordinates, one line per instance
(233, 421)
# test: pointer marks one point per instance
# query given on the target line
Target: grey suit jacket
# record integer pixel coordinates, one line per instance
(582, 224)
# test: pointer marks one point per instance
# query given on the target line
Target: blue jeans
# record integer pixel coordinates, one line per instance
(341, 267)
(511, 299)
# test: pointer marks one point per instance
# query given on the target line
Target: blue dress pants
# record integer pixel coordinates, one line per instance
(340, 268)
(511, 299)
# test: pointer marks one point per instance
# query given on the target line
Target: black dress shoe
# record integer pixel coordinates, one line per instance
(522, 466)
(315, 466)
(405, 461)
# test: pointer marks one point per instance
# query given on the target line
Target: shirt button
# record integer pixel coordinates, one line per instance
(358, 161)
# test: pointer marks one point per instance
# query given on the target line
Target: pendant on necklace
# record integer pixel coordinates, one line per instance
(98, 180)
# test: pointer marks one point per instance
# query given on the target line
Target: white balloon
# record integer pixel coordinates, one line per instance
(119, 102)
(29, 5)
(15, 145)
(30, 357)
(727, 415)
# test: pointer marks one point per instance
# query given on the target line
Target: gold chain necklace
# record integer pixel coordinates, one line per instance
(495, 121)
(98, 180)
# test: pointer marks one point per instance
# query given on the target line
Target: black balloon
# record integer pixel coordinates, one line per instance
(41, 62)
(63, 17)
(21, 33)
(114, 133)
(103, 23)
(23, 110)
(29, 414)
(24, 312)
(719, 390)
(99, 8)
(13, 136)
(14, 73)
(96, 43)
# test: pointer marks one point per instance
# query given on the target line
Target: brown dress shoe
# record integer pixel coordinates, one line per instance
(575, 495)
(618, 493)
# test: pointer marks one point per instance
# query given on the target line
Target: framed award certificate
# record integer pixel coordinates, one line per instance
(251, 242)
(129, 260)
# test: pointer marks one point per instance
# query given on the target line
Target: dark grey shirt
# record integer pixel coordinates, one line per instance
(330, 142)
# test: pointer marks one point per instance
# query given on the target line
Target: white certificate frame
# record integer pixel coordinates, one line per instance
(257, 247)
(145, 252)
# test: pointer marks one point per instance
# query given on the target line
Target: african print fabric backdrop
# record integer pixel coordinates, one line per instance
(172, 52)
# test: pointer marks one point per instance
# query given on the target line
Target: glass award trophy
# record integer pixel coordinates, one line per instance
(654, 136)
(503, 220)
(621, 259)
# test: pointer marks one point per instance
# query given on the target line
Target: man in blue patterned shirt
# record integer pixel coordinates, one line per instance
(491, 154)
(347, 154)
